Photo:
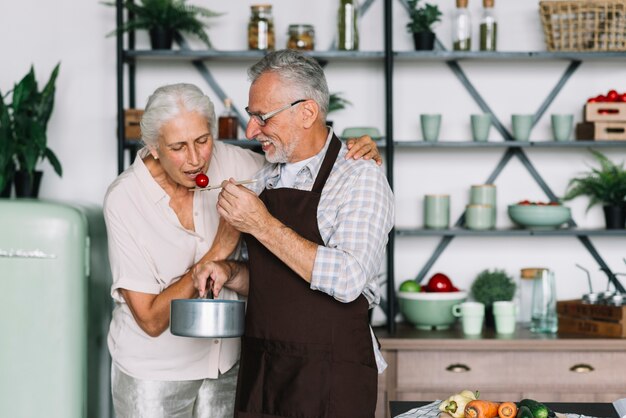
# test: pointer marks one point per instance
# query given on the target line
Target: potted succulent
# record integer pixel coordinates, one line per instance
(606, 186)
(421, 24)
(23, 133)
(491, 286)
(163, 18)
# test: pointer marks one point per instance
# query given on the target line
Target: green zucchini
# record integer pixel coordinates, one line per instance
(524, 412)
(538, 409)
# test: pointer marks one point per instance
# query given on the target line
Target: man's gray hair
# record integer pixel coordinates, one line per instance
(304, 75)
(167, 102)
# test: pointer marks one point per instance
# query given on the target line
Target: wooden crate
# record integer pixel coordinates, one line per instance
(132, 117)
(576, 317)
(605, 112)
(601, 131)
(609, 131)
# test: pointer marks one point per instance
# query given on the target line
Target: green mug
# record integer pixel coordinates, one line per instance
(430, 126)
(436, 211)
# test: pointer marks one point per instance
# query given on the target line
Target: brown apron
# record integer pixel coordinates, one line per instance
(304, 354)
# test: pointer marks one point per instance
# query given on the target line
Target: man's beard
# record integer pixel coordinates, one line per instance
(282, 154)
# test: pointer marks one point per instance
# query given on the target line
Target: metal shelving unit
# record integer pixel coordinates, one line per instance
(129, 57)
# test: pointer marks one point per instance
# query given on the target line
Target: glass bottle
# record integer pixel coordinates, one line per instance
(543, 310)
(461, 27)
(347, 28)
(301, 37)
(261, 27)
(227, 123)
(488, 27)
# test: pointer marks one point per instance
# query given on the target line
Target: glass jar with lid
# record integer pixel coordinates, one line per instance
(301, 37)
(261, 27)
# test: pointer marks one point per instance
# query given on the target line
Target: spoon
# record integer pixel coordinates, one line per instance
(238, 183)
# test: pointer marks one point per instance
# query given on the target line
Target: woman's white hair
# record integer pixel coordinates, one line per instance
(167, 102)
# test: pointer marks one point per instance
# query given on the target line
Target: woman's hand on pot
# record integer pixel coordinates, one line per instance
(210, 277)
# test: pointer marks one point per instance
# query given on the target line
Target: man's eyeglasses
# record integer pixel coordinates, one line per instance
(262, 119)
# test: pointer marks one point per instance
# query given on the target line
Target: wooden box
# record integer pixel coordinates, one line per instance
(605, 111)
(601, 131)
(609, 131)
(576, 317)
(132, 117)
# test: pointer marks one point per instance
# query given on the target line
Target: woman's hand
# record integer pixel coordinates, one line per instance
(363, 147)
(210, 277)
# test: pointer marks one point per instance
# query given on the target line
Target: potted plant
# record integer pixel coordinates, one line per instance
(421, 24)
(491, 286)
(163, 18)
(606, 186)
(7, 144)
(24, 124)
(335, 103)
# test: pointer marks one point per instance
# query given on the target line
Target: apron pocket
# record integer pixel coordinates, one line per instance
(297, 380)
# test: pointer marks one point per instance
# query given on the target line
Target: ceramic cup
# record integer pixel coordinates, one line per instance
(472, 315)
(481, 124)
(522, 125)
(562, 126)
(436, 211)
(430, 126)
(480, 217)
(505, 314)
(483, 194)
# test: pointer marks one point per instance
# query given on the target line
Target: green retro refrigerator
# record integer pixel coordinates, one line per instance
(54, 310)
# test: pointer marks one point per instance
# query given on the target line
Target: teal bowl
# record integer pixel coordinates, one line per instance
(430, 310)
(539, 216)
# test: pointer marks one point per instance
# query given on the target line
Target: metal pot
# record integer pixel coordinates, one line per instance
(209, 318)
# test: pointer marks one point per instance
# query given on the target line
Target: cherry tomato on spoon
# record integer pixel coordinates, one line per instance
(202, 180)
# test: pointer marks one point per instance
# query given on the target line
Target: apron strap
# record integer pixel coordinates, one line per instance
(327, 165)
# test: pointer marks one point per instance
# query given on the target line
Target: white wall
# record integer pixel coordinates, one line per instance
(82, 128)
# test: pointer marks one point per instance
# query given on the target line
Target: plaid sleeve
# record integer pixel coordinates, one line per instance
(361, 218)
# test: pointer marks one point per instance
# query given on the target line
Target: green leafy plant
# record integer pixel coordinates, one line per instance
(605, 185)
(24, 124)
(173, 15)
(7, 145)
(336, 102)
(422, 18)
(493, 285)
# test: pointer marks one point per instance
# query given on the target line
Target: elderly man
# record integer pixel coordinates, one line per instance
(316, 236)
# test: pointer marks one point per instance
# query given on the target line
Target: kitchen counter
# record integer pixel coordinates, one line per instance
(406, 336)
(590, 409)
(427, 365)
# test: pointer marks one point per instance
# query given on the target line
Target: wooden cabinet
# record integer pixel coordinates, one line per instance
(424, 366)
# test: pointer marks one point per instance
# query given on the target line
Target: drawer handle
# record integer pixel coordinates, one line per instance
(458, 368)
(581, 368)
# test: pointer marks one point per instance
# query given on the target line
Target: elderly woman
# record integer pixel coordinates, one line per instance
(158, 230)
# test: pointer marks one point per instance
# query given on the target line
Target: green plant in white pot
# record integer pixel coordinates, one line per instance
(25, 129)
(605, 186)
(491, 286)
(162, 18)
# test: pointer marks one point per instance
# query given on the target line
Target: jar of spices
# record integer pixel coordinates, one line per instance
(261, 28)
(347, 27)
(301, 37)
(461, 27)
(488, 27)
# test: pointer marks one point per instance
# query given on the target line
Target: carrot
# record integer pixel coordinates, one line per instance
(481, 409)
(507, 410)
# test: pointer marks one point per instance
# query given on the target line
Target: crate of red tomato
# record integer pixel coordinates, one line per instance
(604, 117)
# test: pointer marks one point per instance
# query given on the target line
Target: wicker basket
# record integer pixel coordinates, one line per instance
(584, 25)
